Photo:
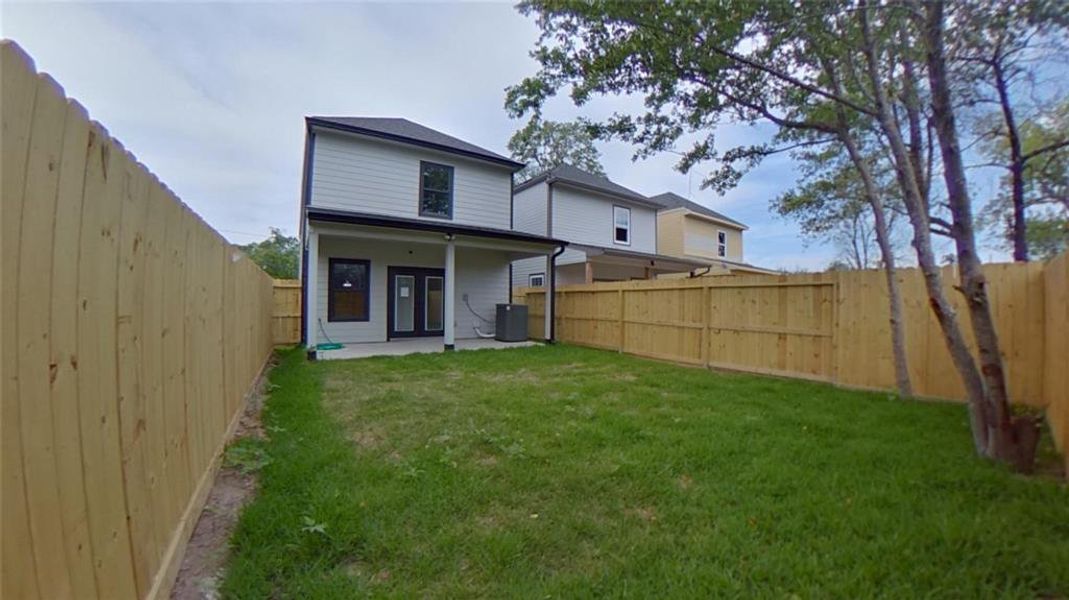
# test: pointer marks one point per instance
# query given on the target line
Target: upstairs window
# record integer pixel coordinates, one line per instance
(435, 190)
(721, 244)
(348, 283)
(536, 280)
(621, 225)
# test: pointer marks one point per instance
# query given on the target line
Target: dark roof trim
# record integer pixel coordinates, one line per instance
(617, 252)
(354, 218)
(314, 122)
(549, 179)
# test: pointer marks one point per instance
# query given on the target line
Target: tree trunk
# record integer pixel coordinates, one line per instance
(922, 243)
(1011, 441)
(1018, 227)
(883, 240)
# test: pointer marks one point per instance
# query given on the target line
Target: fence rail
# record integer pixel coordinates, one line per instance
(830, 327)
(132, 333)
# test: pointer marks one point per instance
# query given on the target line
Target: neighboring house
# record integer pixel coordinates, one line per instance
(611, 231)
(688, 229)
(406, 232)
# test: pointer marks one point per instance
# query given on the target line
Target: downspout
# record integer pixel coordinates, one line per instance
(306, 200)
(551, 294)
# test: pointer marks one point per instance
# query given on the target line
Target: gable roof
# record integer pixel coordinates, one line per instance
(670, 200)
(579, 178)
(410, 132)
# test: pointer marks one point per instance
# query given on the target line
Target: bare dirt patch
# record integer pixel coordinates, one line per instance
(235, 485)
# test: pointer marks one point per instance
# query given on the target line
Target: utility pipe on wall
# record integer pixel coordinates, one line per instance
(450, 292)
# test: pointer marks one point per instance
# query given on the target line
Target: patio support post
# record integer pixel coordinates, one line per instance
(450, 293)
(311, 281)
(550, 288)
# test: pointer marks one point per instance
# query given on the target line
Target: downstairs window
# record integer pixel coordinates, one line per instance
(348, 289)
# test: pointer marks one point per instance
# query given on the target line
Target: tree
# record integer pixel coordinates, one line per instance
(997, 49)
(829, 203)
(837, 68)
(1041, 185)
(278, 255)
(545, 145)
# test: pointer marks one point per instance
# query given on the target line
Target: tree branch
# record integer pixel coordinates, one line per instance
(1048, 148)
(791, 80)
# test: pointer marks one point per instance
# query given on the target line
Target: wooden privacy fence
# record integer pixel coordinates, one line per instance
(826, 326)
(286, 318)
(131, 334)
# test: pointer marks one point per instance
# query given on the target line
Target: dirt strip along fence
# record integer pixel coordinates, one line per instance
(132, 333)
(286, 319)
(827, 326)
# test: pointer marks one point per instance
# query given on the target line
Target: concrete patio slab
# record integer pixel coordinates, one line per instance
(414, 346)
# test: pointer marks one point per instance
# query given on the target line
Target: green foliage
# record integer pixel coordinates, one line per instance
(828, 203)
(248, 454)
(567, 472)
(681, 58)
(545, 145)
(1048, 236)
(1046, 183)
(278, 255)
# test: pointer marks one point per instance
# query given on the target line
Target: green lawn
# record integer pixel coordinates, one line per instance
(565, 472)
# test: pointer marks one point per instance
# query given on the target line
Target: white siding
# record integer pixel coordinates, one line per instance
(364, 175)
(523, 269)
(529, 210)
(586, 218)
(482, 274)
(571, 256)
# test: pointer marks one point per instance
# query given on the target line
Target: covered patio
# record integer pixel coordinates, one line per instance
(399, 286)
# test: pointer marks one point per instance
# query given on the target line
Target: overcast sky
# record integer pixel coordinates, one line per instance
(212, 98)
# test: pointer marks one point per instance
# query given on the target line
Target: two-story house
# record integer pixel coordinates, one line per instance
(406, 232)
(611, 230)
(689, 230)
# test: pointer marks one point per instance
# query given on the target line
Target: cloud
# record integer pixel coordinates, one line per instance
(212, 97)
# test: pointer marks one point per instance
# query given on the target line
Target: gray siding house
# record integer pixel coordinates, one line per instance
(406, 232)
(611, 230)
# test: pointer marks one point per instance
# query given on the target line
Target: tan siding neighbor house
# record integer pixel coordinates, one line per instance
(689, 230)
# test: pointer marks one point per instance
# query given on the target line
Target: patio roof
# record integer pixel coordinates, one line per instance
(330, 215)
(658, 260)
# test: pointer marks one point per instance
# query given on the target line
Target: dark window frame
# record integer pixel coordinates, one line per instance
(532, 276)
(614, 227)
(721, 246)
(331, 317)
(423, 164)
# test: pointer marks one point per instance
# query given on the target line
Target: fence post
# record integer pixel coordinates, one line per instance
(707, 292)
(620, 301)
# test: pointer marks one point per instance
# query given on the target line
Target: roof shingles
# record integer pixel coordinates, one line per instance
(404, 130)
(670, 200)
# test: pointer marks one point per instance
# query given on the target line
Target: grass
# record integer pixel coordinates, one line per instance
(568, 472)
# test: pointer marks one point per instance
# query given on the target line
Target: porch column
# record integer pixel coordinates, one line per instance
(551, 288)
(311, 282)
(449, 305)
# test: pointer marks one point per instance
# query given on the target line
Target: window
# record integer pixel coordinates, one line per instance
(621, 225)
(536, 279)
(721, 244)
(348, 293)
(435, 190)
(434, 307)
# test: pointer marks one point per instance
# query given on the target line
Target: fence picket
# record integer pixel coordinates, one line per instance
(100, 481)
